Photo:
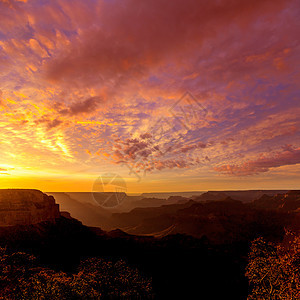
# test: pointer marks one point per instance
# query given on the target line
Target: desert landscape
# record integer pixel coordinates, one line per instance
(149, 149)
(180, 248)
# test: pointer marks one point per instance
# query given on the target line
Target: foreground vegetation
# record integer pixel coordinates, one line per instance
(21, 277)
(274, 270)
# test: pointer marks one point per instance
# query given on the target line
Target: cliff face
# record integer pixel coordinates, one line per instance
(287, 202)
(25, 207)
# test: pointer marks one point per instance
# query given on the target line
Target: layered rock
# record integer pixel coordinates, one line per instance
(287, 202)
(25, 207)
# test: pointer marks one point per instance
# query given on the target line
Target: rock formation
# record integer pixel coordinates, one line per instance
(25, 207)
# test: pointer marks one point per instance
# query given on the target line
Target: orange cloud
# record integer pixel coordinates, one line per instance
(289, 156)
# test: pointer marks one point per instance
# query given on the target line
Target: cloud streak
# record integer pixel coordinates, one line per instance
(289, 156)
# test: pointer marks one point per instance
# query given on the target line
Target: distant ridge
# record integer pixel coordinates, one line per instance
(166, 195)
(241, 195)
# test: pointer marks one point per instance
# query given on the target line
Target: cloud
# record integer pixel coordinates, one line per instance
(134, 149)
(87, 106)
(50, 123)
(77, 74)
(146, 135)
(1, 98)
(171, 164)
(4, 171)
(187, 148)
(115, 49)
(146, 154)
(289, 156)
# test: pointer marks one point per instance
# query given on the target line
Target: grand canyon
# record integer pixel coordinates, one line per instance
(149, 149)
(184, 246)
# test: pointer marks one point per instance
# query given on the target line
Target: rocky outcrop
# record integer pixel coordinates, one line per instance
(25, 207)
(287, 202)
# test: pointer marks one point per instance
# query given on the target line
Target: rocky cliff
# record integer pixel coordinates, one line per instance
(25, 207)
(287, 202)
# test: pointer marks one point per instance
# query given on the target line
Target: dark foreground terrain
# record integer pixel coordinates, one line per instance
(179, 265)
(206, 254)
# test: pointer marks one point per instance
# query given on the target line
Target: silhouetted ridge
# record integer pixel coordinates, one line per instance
(244, 196)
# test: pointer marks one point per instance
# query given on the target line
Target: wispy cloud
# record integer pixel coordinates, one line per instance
(289, 156)
(84, 83)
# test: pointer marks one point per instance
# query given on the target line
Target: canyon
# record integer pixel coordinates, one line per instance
(25, 207)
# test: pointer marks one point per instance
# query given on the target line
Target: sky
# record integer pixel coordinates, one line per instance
(181, 95)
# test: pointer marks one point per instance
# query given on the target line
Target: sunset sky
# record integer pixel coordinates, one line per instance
(172, 95)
